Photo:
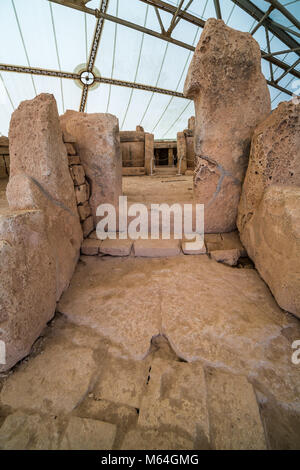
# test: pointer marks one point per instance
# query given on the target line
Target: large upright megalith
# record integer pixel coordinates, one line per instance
(98, 143)
(40, 179)
(231, 98)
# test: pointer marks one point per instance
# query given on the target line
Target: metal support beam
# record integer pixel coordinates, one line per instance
(160, 21)
(93, 52)
(286, 51)
(273, 27)
(172, 9)
(269, 51)
(173, 24)
(262, 20)
(75, 76)
(285, 12)
(218, 9)
(292, 67)
(280, 88)
(199, 23)
(109, 81)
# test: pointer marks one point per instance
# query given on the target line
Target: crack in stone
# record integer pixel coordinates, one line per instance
(50, 198)
(223, 173)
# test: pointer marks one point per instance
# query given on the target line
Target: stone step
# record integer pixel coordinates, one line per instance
(165, 170)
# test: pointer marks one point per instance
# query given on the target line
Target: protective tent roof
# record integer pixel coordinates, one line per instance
(47, 35)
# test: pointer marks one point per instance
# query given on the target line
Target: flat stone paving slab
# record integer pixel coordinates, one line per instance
(156, 248)
(88, 434)
(176, 398)
(123, 381)
(52, 382)
(116, 247)
(235, 422)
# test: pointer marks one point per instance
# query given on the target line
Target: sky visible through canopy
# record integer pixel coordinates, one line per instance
(39, 33)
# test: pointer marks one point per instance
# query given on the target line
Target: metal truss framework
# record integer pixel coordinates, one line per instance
(262, 18)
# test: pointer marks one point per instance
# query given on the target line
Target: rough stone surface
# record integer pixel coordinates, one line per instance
(156, 248)
(82, 193)
(90, 247)
(176, 398)
(188, 251)
(231, 98)
(40, 179)
(149, 153)
(181, 153)
(153, 439)
(272, 238)
(229, 257)
(123, 381)
(98, 145)
(116, 247)
(233, 413)
(27, 282)
(52, 382)
(88, 434)
(87, 226)
(78, 174)
(132, 321)
(21, 431)
(274, 159)
(84, 211)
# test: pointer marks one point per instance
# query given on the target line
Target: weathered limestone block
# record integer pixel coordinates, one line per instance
(231, 98)
(27, 282)
(84, 211)
(40, 179)
(274, 159)
(235, 422)
(88, 434)
(173, 385)
(192, 123)
(149, 153)
(182, 153)
(98, 144)
(272, 239)
(78, 174)
(133, 154)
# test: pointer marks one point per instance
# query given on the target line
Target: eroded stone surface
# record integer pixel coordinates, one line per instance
(52, 382)
(88, 434)
(98, 144)
(123, 381)
(229, 257)
(176, 398)
(116, 247)
(133, 320)
(21, 431)
(40, 179)
(272, 237)
(156, 248)
(233, 413)
(274, 159)
(153, 439)
(231, 97)
(27, 282)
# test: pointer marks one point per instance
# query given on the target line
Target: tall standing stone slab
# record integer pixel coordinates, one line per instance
(272, 238)
(274, 159)
(98, 144)
(231, 98)
(149, 153)
(27, 282)
(182, 153)
(40, 179)
(269, 209)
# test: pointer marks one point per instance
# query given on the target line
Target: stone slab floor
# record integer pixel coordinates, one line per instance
(170, 353)
(158, 189)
